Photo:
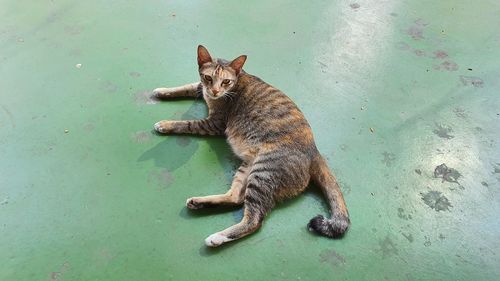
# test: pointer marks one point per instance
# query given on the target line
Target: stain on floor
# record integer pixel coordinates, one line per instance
(436, 200)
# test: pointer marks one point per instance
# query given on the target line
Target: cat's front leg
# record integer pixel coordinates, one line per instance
(192, 90)
(198, 127)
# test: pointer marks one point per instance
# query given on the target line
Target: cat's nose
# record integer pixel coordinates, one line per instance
(215, 91)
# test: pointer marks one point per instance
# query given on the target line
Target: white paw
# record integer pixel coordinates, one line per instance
(161, 92)
(216, 240)
(158, 127)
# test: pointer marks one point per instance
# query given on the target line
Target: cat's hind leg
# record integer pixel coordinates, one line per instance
(258, 202)
(192, 90)
(234, 196)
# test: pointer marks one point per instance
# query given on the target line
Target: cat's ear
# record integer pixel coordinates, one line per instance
(237, 63)
(203, 56)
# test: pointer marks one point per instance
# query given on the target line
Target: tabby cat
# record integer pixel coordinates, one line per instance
(270, 135)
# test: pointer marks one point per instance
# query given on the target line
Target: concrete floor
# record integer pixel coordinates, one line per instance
(391, 88)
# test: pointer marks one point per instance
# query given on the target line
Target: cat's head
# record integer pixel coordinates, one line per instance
(218, 76)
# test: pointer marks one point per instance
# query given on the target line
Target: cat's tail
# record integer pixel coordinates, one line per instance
(339, 222)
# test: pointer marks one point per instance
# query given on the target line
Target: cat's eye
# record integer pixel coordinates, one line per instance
(226, 81)
(208, 78)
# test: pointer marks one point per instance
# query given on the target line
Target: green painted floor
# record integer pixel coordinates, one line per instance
(392, 89)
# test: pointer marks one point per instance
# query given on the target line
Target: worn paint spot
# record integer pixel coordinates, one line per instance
(408, 237)
(109, 86)
(89, 127)
(418, 171)
(427, 242)
(403, 46)
(436, 201)
(346, 188)
(496, 169)
(9, 115)
(134, 74)
(448, 174)
(447, 65)
(73, 29)
(162, 178)
(145, 97)
(460, 112)
(56, 275)
(354, 6)
(76, 52)
(332, 257)
(439, 54)
(416, 31)
(141, 136)
(419, 53)
(443, 131)
(388, 158)
(387, 247)
(183, 140)
(472, 80)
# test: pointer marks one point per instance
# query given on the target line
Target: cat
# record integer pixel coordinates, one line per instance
(271, 136)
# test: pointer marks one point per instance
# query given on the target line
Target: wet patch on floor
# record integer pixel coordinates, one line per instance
(443, 131)
(471, 80)
(145, 97)
(446, 173)
(436, 200)
(332, 258)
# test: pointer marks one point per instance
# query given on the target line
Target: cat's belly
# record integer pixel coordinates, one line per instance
(242, 148)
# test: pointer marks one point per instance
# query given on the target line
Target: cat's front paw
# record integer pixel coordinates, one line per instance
(194, 204)
(164, 126)
(162, 93)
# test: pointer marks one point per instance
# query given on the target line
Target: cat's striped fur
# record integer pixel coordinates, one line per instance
(270, 135)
